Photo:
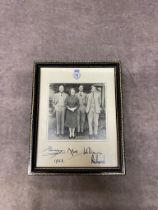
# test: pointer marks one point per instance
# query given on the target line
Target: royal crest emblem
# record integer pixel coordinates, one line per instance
(76, 74)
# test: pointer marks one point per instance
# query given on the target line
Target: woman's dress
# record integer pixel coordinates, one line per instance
(71, 117)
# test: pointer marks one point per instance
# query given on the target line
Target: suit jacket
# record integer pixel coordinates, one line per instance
(97, 101)
(58, 102)
(82, 101)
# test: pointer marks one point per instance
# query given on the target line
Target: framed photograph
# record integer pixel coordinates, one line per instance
(77, 119)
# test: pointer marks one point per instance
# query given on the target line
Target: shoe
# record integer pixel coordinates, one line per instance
(95, 136)
(70, 137)
(73, 137)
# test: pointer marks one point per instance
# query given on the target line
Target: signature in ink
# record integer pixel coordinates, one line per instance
(72, 151)
(87, 151)
(97, 158)
(53, 152)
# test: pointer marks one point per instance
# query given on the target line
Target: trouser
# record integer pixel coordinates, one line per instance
(81, 116)
(93, 118)
(60, 121)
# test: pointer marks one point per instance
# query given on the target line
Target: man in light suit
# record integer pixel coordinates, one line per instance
(81, 112)
(93, 110)
(59, 105)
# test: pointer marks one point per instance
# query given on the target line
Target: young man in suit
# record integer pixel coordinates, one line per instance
(93, 110)
(81, 112)
(59, 105)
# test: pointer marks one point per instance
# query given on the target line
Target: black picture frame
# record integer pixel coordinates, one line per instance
(32, 169)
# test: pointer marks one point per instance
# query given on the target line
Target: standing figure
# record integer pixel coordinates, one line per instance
(81, 112)
(93, 109)
(72, 104)
(59, 105)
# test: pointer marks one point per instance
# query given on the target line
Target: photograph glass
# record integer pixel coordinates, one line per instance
(76, 119)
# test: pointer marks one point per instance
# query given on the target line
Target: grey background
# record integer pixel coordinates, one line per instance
(124, 30)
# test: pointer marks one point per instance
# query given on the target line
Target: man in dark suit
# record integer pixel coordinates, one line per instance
(81, 112)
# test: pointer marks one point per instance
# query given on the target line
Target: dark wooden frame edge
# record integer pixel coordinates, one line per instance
(32, 169)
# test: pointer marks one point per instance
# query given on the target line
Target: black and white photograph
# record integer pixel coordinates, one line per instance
(76, 122)
(77, 111)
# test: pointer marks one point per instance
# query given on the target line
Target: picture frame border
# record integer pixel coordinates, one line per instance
(32, 169)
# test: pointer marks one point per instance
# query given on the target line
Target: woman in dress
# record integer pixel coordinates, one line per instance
(72, 104)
